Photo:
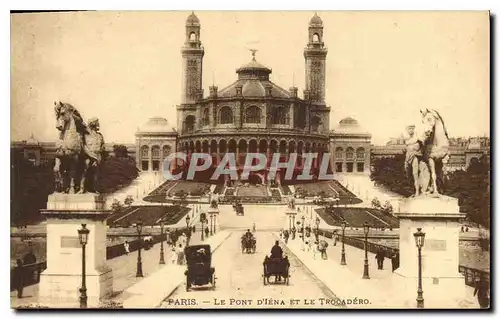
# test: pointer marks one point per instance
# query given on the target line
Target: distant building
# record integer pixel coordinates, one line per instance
(462, 151)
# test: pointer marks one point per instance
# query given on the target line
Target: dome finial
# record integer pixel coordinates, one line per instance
(316, 20)
(253, 53)
(192, 19)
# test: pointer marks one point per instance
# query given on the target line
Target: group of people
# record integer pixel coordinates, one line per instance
(380, 256)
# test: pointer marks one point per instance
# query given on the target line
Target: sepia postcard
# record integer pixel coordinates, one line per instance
(250, 160)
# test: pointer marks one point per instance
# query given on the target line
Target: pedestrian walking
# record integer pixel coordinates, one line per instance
(380, 259)
(126, 246)
(180, 255)
(395, 261)
(482, 291)
(323, 245)
(315, 249)
(207, 231)
(19, 278)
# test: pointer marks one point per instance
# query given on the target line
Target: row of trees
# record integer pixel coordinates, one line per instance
(31, 185)
(471, 186)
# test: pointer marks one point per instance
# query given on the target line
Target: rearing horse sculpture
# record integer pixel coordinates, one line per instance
(436, 145)
(79, 147)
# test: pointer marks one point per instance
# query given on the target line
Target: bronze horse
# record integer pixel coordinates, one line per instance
(79, 147)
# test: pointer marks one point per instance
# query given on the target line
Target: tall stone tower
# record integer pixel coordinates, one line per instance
(315, 56)
(192, 60)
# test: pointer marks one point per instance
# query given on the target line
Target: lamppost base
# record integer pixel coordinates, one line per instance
(342, 260)
(83, 298)
(365, 271)
(139, 271)
(420, 303)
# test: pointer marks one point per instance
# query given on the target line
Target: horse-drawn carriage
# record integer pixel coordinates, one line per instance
(199, 269)
(238, 208)
(277, 267)
(248, 244)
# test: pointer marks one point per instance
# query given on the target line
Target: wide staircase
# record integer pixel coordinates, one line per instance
(252, 190)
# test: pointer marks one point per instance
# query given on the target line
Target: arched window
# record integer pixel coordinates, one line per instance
(166, 151)
(192, 37)
(252, 114)
(205, 120)
(360, 153)
(349, 153)
(316, 123)
(189, 124)
(315, 38)
(338, 152)
(144, 151)
(155, 152)
(279, 115)
(226, 115)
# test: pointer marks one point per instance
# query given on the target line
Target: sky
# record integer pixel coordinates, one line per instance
(125, 67)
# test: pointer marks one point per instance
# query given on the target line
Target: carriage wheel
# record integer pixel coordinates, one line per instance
(213, 281)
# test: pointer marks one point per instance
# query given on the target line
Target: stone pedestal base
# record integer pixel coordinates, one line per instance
(61, 281)
(438, 217)
(443, 292)
(62, 290)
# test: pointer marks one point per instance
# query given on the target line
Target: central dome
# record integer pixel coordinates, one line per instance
(156, 125)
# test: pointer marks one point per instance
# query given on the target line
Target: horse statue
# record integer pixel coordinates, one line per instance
(435, 145)
(79, 148)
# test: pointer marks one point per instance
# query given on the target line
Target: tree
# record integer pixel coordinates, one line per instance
(376, 203)
(471, 187)
(116, 206)
(116, 173)
(128, 200)
(120, 150)
(387, 207)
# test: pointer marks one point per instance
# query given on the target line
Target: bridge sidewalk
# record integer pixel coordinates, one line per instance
(150, 292)
(124, 272)
(383, 289)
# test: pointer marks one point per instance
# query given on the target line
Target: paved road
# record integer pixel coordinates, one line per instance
(239, 279)
(265, 217)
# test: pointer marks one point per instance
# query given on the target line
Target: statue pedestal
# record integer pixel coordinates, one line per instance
(439, 219)
(291, 213)
(214, 212)
(61, 281)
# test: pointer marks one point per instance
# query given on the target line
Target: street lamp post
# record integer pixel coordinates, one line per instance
(83, 236)
(303, 232)
(317, 228)
(138, 225)
(211, 224)
(202, 229)
(162, 254)
(188, 219)
(366, 229)
(342, 256)
(419, 241)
